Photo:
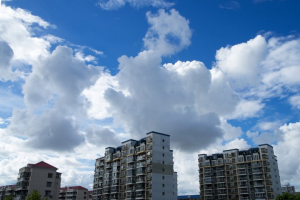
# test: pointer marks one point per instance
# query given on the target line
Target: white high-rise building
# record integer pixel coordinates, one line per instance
(240, 174)
(139, 169)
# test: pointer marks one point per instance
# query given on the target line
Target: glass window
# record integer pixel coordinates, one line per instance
(50, 175)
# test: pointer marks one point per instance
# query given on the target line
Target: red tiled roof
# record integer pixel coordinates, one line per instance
(74, 188)
(44, 165)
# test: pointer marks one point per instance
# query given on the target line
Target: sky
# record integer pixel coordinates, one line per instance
(79, 76)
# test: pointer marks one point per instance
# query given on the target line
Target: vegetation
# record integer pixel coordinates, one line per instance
(35, 195)
(288, 196)
(10, 197)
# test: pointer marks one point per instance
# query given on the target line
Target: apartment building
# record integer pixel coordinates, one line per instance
(138, 169)
(288, 188)
(42, 177)
(7, 191)
(240, 174)
(74, 193)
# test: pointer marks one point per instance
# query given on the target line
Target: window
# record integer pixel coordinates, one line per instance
(163, 140)
(163, 147)
(50, 175)
(84, 192)
(163, 162)
(47, 193)
(163, 185)
(163, 155)
(163, 169)
(163, 193)
(163, 177)
(49, 184)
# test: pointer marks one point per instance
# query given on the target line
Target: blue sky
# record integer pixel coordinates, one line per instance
(78, 76)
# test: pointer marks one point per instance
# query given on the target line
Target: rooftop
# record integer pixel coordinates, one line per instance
(42, 164)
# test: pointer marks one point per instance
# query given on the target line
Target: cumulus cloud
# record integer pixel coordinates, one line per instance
(295, 101)
(15, 30)
(116, 4)
(102, 136)
(163, 101)
(6, 54)
(55, 107)
(241, 62)
(287, 151)
(246, 109)
(168, 32)
(184, 98)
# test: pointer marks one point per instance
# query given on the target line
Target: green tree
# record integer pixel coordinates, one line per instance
(35, 195)
(286, 196)
(10, 197)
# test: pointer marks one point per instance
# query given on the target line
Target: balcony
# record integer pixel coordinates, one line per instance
(222, 191)
(244, 191)
(21, 187)
(140, 171)
(140, 164)
(258, 177)
(259, 190)
(140, 187)
(130, 181)
(130, 159)
(243, 184)
(220, 174)
(221, 186)
(259, 184)
(241, 166)
(260, 196)
(221, 180)
(242, 171)
(107, 166)
(141, 157)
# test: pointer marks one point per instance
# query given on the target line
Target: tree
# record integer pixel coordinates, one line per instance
(10, 197)
(287, 196)
(35, 195)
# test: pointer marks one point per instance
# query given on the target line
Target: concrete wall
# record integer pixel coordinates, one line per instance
(39, 179)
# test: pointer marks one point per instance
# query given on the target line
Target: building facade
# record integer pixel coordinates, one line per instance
(240, 174)
(288, 189)
(140, 169)
(7, 191)
(74, 193)
(41, 177)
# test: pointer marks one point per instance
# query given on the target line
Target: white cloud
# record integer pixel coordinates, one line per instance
(287, 151)
(295, 101)
(116, 4)
(230, 131)
(99, 106)
(53, 39)
(54, 105)
(15, 30)
(246, 109)
(168, 32)
(6, 54)
(241, 62)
